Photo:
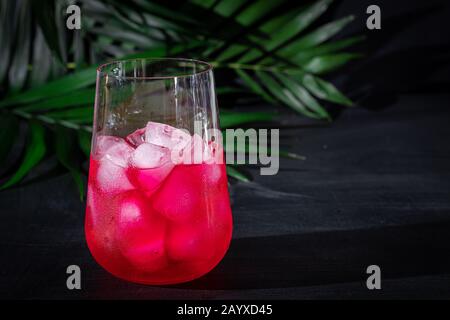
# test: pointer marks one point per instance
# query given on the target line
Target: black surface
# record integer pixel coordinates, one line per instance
(375, 189)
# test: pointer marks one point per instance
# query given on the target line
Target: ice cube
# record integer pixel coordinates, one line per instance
(113, 154)
(150, 166)
(167, 136)
(148, 257)
(200, 151)
(140, 233)
(179, 152)
(112, 178)
(148, 155)
(137, 221)
(103, 143)
(206, 238)
(184, 194)
(115, 149)
(136, 138)
(195, 152)
(179, 197)
(148, 180)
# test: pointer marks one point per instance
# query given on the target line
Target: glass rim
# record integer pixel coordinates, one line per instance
(208, 67)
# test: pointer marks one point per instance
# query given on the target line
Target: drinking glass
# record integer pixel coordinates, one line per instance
(158, 208)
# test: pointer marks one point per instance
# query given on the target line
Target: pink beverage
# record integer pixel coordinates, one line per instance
(152, 217)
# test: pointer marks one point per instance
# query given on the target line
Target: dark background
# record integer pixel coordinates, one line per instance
(375, 189)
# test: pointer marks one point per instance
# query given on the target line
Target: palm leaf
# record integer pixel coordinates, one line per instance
(316, 37)
(42, 57)
(234, 119)
(75, 98)
(329, 48)
(64, 148)
(19, 61)
(84, 141)
(254, 85)
(324, 90)
(290, 29)
(45, 13)
(9, 127)
(272, 49)
(66, 84)
(304, 96)
(35, 151)
(328, 63)
(6, 38)
(78, 115)
(232, 171)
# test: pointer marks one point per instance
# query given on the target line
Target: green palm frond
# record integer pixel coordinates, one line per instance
(275, 51)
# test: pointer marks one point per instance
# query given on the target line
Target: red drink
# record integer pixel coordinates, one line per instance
(151, 218)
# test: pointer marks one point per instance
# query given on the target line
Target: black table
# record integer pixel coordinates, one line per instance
(374, 189)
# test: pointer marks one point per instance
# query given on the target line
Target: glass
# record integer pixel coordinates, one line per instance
(158, 208)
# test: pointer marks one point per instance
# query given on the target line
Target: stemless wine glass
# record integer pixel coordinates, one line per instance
(158, 209)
